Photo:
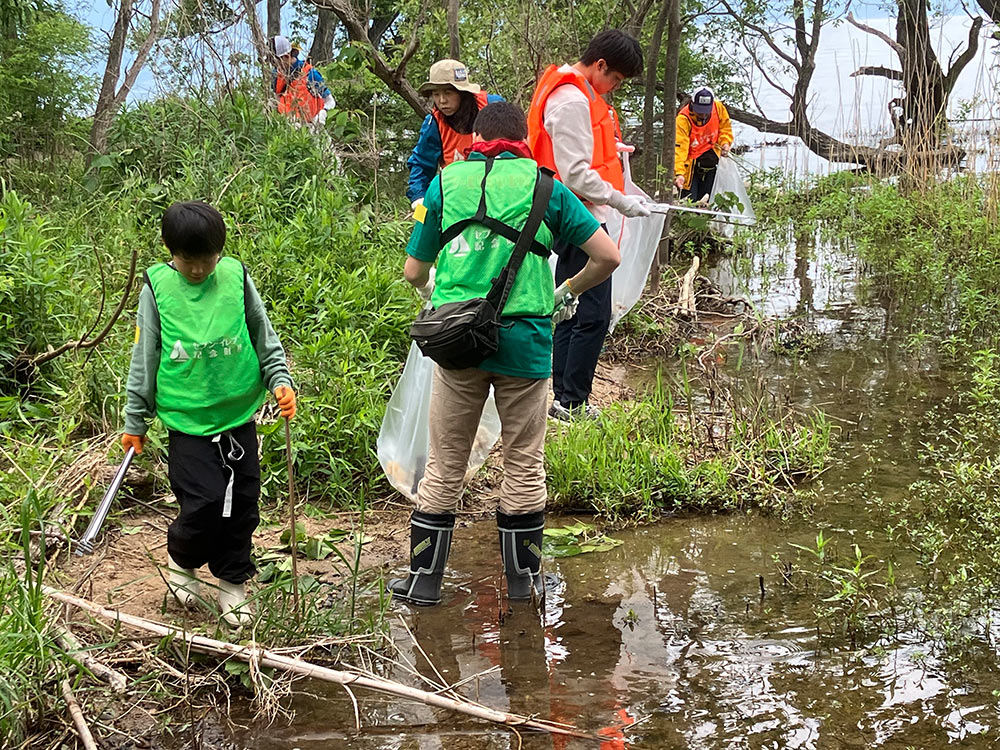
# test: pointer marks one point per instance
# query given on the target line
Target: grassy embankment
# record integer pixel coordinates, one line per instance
(325, 255)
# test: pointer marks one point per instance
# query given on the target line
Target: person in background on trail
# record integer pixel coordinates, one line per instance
(573, 131)
(704, 135)
(205, 356)
(499, 170)
(300, 89)
(446, 133)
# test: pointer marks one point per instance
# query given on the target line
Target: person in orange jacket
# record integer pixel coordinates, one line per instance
(300, 89)
(573, 131)
(446, 133)
(704, 135)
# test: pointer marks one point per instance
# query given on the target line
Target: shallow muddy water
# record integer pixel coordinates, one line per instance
(687, 636)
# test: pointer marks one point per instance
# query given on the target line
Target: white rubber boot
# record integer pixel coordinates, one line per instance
(233, 603)
(183, 583)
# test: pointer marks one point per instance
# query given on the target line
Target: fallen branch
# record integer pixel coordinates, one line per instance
(79, 720)
(83, 343)
(71, 645)
(268, 658)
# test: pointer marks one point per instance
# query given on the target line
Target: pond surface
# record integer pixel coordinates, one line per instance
(687, 636)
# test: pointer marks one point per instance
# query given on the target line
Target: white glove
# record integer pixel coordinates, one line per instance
(329, 102)
(427, 289)
(320, 119)
(565, 303)
(631, 206)
(417, 202)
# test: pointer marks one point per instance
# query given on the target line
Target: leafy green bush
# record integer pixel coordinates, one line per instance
(325, 259)
(44, 53)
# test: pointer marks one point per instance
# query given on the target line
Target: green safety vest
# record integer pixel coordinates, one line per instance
(480, 221)
(209, 378)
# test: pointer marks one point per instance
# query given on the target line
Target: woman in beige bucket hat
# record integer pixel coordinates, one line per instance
(446, 133)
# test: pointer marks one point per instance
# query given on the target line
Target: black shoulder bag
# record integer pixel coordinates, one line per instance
(462, 334)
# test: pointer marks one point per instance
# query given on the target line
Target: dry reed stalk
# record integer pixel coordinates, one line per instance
(79, 720)
(68, 642)
(268, 658)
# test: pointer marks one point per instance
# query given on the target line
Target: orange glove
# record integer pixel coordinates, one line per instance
(133, 441)
(285, 397)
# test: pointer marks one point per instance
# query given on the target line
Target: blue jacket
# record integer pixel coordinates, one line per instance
(314, 82)
(427, 154)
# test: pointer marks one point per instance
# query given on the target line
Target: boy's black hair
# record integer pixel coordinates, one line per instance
(193, 229)
(464, 117)
(619, 50)
(501, 120)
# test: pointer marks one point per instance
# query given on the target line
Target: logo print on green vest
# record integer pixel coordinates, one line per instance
(178, 353)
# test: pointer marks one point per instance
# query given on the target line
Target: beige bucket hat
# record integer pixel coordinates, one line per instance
(449, 73)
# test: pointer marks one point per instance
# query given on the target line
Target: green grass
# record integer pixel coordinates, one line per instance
(641, 460)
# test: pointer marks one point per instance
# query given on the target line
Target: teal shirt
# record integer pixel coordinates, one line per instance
(525, 345)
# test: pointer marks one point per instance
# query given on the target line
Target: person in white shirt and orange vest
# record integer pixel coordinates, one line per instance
(704, 135)
(573, 131)
(446, 133)
(300, 89)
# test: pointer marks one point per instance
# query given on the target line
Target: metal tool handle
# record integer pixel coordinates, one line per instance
(86, 543)
(664, 208)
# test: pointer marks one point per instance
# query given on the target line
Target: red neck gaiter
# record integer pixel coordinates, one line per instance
(499, 146)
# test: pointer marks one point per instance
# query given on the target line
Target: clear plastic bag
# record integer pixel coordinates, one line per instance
(729, 180)
(404, 437)
(638, 239)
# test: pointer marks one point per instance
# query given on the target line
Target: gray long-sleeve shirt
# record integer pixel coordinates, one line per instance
(140, 403)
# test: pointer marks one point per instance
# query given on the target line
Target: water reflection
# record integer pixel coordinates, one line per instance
(686, 636)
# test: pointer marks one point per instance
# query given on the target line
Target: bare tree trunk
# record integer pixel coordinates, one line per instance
(105, 111)
(671, 69)
(992, 8)
(357, 31)
(652, 68)
(273, 18)
(321, 50)
(111, 96)
(454, 43)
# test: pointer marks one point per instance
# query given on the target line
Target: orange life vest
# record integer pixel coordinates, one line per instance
(294, 96)
(703, 137)
(603, 122)
(455, 144)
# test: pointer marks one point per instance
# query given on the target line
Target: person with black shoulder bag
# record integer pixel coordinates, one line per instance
(479, 254)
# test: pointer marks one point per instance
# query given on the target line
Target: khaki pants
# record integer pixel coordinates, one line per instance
(457, 400)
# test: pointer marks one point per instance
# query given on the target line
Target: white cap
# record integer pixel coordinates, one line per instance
(282, 46)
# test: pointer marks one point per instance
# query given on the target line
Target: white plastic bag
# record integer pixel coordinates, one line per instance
(729, 180)
(637, 239)
(405, 434)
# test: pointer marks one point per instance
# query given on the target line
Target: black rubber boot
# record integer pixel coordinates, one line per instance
(430, 543)
(521, 550)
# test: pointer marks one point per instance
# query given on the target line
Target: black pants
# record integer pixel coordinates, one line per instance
(702, 182)
(200, 470)
(577, 342)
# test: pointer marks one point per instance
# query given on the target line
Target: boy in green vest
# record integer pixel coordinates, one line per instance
(499, 174)
(204, 358)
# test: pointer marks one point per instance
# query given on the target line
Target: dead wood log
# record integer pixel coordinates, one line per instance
(267, 658)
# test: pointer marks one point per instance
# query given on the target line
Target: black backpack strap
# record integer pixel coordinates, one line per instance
(506, 231)
(503, 283)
